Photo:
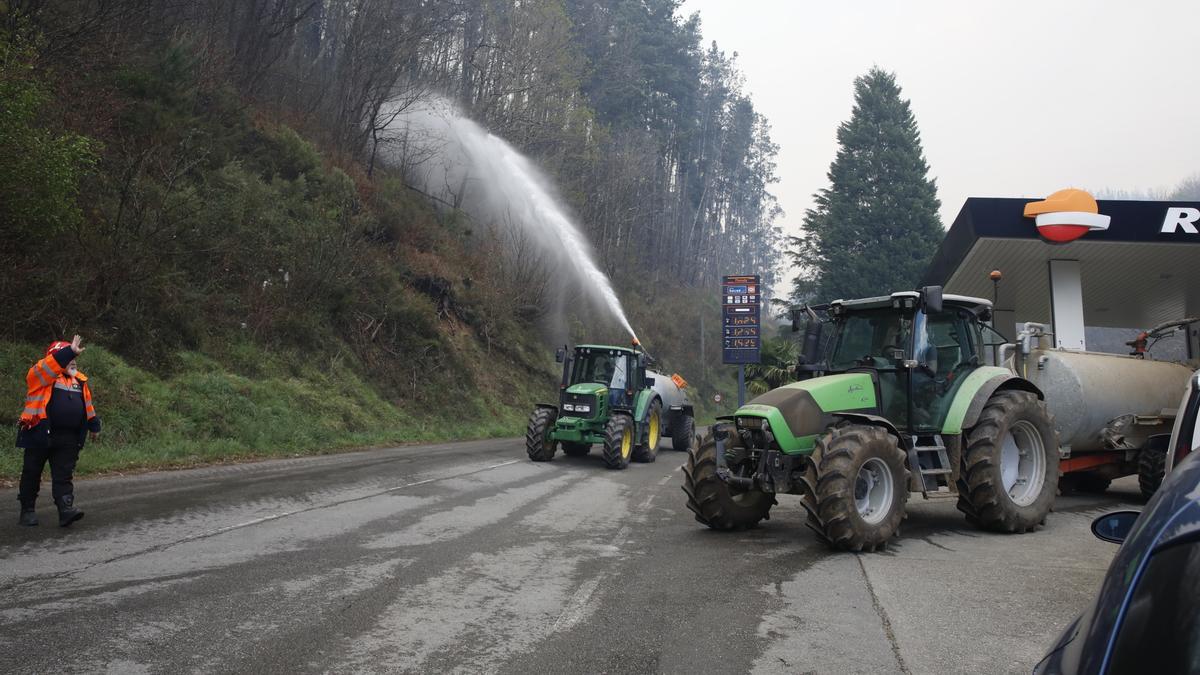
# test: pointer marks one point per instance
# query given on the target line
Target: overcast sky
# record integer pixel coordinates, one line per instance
(1012, 98)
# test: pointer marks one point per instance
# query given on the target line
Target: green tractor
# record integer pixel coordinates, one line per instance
(609, 398)
(899, 399)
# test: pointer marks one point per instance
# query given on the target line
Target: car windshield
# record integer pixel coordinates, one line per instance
(871, 338)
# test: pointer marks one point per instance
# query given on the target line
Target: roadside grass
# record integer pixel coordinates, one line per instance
(205, 412)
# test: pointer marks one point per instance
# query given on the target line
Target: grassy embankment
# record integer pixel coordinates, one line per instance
(255, 405)
(245, 402)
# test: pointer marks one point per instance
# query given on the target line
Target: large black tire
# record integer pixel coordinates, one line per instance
(981, 492)
(849, 460)
(683, 432)
(711, 499)
(538, 444)
(573, 449)
(647, 450)
(1152, 464)
(618, 441)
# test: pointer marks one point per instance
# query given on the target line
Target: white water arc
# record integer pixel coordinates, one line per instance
(454, 159)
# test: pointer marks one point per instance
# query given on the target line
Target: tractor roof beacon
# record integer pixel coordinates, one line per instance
(899, 398)
(608, 397)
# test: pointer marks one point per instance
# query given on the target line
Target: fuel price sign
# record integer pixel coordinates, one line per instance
(740, 301)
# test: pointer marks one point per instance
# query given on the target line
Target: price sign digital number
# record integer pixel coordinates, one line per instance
(741, 299)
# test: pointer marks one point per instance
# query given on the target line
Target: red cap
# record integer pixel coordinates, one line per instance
(55, 346)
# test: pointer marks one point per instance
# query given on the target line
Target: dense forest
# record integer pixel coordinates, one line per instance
(209, 187)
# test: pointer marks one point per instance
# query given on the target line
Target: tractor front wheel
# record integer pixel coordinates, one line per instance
(572, 449)
(861, 487)
(1010, 464)
(618, 441)
(647, 450)
(539, 444)
(711, 499)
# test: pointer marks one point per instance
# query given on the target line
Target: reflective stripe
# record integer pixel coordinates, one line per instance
(48, 369)
(33, 399)
(67, 387)
(36, 412)
(41, 378)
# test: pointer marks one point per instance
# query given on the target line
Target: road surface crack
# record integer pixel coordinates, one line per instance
(883, 617)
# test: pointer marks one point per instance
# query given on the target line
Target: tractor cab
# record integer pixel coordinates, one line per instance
(917, 346)
(612, 375)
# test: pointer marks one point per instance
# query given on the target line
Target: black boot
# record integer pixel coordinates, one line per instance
(67, 513)
(28, 516)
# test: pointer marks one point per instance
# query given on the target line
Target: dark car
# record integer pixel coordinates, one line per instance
(1146, 618)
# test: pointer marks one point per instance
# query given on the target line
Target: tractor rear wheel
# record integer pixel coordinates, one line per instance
(647, 450)
(1152, 464)
(539, 444)
(683, 432)
(618, 441)
(714, 502)
(1010, 464)
(861, 487)
(573, 449)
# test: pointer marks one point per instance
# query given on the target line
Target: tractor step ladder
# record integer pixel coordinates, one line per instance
(929, 462)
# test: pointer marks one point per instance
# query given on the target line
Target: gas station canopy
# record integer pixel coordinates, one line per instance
(1071, 261)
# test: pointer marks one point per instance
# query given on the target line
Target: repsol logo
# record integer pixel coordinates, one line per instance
(1181, 219)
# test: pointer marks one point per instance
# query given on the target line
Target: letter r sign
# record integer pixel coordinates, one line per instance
(1181, 217)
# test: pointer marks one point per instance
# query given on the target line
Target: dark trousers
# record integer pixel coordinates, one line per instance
(62, 453)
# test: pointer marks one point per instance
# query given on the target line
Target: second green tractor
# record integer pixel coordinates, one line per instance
(898, 399)
(608, 398)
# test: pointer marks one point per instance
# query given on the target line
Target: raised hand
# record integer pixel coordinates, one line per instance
(77, 345)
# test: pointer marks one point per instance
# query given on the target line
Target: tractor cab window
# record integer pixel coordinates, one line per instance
(595, 367)
(619, 377)
(946, 349)
(992, 340)
(610, 369)
(871, 338)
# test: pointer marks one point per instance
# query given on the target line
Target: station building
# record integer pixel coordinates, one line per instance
(1071, 262)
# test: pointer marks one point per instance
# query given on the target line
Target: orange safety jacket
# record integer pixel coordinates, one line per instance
(40, 382)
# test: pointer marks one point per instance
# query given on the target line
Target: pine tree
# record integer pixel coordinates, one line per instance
(874, 229)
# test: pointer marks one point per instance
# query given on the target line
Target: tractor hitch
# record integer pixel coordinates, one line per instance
(720, 435)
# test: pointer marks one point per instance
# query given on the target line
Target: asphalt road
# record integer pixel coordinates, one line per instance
(466, 557)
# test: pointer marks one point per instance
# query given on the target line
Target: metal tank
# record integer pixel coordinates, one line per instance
(1086, 390)
(670, 393)
(674, 399)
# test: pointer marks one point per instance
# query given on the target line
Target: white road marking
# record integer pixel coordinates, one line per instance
(579, 606)
(285, 514)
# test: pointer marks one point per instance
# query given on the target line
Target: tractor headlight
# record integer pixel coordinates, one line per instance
(569, 407)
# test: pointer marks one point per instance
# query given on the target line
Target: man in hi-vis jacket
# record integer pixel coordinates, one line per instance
(55, 423)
